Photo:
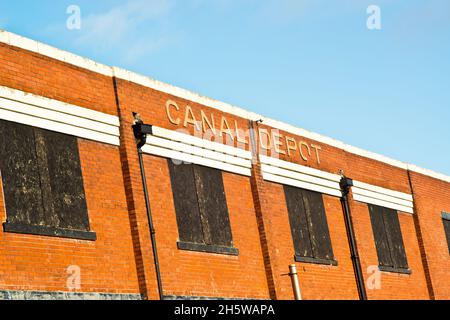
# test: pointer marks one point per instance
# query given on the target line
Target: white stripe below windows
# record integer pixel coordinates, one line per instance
(187, 148)
(49, 114)
(387, 198)
(288, 173)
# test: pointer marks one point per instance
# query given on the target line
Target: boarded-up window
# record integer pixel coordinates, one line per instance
(388, 239)
(201, 208)
(42, 182)
(309, 226)
(446, 219)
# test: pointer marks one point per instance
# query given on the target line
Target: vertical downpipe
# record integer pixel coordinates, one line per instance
(295, 283)
(141, 139)
(346, 184)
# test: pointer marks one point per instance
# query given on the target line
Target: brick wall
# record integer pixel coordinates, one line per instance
(30, 262)
(393, 286)
(43, 76)
(338, 282)
(316, 281)
(191, 273)
(186, 273)
(431, 198)
(121, 261)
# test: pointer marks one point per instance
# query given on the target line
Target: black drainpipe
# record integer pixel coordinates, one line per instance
(140, 132)
(346, 184)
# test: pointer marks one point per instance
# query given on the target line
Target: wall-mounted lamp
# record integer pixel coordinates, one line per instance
(141, 130)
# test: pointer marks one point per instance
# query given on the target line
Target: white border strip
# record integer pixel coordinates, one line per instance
(184, 147)
(367, 193)
(382, 203)
(55, 105)
(175, 155)
(299, 168)
(374, 195)
(196, 151)
(300, 184)
(288, 173)
(382, 191)
(43, 49)
(202, 143)
(16, 106)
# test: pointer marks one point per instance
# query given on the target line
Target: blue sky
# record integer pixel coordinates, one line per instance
(311, 63)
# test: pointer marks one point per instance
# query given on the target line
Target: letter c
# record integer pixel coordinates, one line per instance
(169, 104)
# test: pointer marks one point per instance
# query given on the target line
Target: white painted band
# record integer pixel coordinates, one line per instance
(199, 142)
(299, 176)
(379, 196)
(292, 174)
(28, 109)
(301, 184)
(180, 146)
(196, 151)
(382, 203)
(383, 191)
(367, 193)
(299, 168)
(176, 155)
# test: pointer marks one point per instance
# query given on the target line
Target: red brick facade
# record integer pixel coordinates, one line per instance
(121, 261)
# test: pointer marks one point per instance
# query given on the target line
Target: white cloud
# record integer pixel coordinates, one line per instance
(137, 27)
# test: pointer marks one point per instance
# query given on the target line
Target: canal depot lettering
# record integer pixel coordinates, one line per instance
(269, 139)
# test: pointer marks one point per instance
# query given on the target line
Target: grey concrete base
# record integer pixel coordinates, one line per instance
(49, 295)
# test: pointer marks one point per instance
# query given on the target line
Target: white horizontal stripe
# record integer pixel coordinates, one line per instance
(384, 191)
(49, 114)
(58, 106)
(383, 197)
(301, 184)
(299, 168)
(284, 172)
(300, 177)
(204, 153)
(171, 154)
(58, 127)
(58, 117)
(202, 143)
(382, 203)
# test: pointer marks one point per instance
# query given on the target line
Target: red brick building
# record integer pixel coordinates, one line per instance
(217, 202)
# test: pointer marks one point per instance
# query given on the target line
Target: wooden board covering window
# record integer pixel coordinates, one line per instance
(200, 205)
(42, 180)
(309, 226)
(388, 238)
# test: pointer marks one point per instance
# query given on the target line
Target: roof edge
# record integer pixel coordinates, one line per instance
(73, 59)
